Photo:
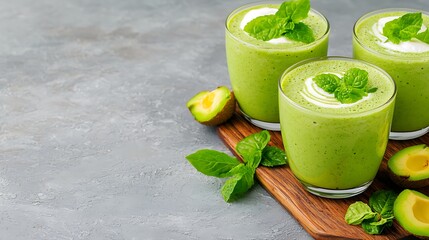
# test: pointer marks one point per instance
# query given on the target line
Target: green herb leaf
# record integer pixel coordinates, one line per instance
(348, 94)
(250, 148)
(358, 212)
(266, 27)
(328, 82)
(212, 163)
(382, 202)
(375, 217)
(238, 184)
(356, 78)
(423, 36)
(349, 89)
(372, 229)
(285, 22)
(372, 90)
(403, 28)
(273, 156)
(300, 33)
(295, 10)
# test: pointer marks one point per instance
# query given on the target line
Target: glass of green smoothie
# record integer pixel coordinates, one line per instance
(335, 116)
(397, 40)
(256, 62)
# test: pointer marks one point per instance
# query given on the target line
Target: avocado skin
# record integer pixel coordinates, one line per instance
(223, 115)
(401, 180)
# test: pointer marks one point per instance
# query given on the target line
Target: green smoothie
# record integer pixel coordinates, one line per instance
(255, 66)
(407, 63)
(331, 145)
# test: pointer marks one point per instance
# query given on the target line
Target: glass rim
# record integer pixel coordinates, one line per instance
(385, 10)
(333, 114)
(248, 5)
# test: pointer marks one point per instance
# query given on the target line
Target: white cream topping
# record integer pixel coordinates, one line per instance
(413, 46)
(252, 14)
(319, 97)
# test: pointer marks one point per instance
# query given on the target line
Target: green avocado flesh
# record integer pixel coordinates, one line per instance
(411, 210)
(212, 107)
(411, 163)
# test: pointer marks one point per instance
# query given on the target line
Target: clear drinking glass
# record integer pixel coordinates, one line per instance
(334, 149)
(255, 66)
(407, 63)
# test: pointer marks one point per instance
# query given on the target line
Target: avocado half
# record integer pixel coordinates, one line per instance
(212, 107)
(411, 210)
(409, 167)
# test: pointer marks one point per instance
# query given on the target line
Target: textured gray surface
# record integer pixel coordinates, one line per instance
(94, 128)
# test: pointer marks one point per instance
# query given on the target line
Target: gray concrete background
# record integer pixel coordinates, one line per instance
(94, 127)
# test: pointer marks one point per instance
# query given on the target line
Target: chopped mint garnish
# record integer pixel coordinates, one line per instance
(405, 28)
(254, 151)
(285, 22)
(349, 89)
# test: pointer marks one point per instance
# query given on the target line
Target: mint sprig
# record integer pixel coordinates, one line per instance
(285, 22)
(254, 151)
(349, 89)
(405, 28)
(374, 216)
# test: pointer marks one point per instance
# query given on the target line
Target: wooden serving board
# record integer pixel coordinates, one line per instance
(322, 218)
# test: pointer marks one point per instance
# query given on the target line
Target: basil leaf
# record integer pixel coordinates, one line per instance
(212, 163)
(250, 148)
(238, 184)
(273, 156)
(357, 212)
(356, 78)
(328, 82)
(403, 28)
(382, 202)
(300, 33)
(423, 36)
(266, 27)
(295, 10)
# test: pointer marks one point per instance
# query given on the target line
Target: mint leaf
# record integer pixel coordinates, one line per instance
(295, 10)
(382, 202)
(300, 33)
(403, 28)
(266, 27)
(372, 229)
(424, 36)
(357, 212)
(348, 94)
(273, 156)
(250, 148)
(285, 22)
(328, 82)
(372, 90)
(356, 78)
(212, 163)
(349, 89)
(377, 215)
(238, 184)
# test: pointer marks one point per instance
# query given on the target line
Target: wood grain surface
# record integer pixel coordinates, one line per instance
(322, 218)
